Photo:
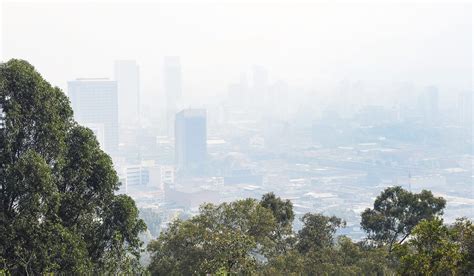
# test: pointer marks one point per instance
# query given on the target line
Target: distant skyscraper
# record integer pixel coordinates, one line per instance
(238, 93)
(94, 101)
(429, 105)
(172, 86)
(259, 77)
(190, 141)
(260, 84)
(465, 106)
(433, 103)
(277, 100)
(128, 88)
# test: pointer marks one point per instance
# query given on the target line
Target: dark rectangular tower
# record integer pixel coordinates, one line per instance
(191, 141)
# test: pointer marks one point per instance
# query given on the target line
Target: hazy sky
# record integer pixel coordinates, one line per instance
(299, 42)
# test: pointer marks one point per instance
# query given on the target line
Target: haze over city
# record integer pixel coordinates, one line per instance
(323, 104)
(306, 44)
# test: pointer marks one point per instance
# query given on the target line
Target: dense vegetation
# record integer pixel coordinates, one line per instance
(405, 236)
(58, 211)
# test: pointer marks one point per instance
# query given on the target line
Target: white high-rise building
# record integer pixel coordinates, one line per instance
(128, 87)
(94, 101)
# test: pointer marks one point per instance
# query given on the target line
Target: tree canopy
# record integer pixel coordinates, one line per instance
(437, 249)
(396, 212)
(255, 237)
(58, 210)
(230, 236)
(241, 237)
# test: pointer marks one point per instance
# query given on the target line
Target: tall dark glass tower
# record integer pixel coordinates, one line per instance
(190, 141)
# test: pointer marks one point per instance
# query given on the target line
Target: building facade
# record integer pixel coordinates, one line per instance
(172, 86)
(191, 141)
(94, 102)
(126, 74)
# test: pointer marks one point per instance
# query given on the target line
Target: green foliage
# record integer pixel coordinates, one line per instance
(289, 263)
(463, 235)
(152, 220)
(395, 213)
(438, 249)
(58, 211)
(318, 232)
(282, 211)
(430, 251)
(360, 259)
(240, 238)
(228, 237)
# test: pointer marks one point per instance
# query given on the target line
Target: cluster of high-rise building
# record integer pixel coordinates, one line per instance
(259, 138)
(111, 109)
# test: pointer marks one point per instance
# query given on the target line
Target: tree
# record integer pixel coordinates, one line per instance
(58, 211)
(344, 257)
(229, 237)
(315, 243)
(430, 251)
(463, 235)
(317, 232)
(395, 213)
(153, 220)
(360, 259)
(282, 211)
(290, 262)
(237, 238)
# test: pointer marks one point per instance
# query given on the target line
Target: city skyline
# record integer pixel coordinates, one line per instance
(226, 138)
(305, 122)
